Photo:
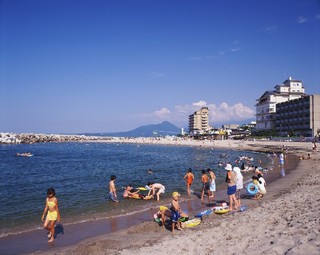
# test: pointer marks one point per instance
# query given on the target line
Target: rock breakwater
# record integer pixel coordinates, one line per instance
(11, 138)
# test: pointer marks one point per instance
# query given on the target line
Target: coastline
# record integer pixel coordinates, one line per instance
(148, 232)
(285, 221)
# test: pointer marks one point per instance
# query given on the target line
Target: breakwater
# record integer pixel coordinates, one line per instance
(27, 138)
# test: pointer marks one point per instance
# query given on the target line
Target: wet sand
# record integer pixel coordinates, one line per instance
(114, 236)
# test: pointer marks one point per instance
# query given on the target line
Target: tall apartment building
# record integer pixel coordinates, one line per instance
(300, 117)
(199, 121)
(266, 104)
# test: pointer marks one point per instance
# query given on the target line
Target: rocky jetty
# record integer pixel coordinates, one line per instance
(11, 138)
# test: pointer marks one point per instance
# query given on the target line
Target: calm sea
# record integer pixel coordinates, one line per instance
(80, 174)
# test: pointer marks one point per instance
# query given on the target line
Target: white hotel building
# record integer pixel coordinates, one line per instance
(266, 104)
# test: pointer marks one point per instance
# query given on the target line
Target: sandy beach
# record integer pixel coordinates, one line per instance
(285, 221)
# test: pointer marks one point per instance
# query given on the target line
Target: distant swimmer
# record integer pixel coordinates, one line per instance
(150, 171)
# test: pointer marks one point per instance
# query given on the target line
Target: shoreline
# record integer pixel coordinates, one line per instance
(83, 241)
(277, 224)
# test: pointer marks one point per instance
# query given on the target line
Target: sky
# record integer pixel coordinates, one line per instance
(109, 66)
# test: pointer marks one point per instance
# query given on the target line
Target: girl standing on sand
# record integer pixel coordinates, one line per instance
(189, 177)
(52, 213)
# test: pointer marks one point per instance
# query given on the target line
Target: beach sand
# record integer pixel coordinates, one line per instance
(285, 221)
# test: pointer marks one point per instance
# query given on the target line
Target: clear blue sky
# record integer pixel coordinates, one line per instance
(106, 66)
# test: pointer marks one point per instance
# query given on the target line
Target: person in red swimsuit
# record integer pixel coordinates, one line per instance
(189, 177)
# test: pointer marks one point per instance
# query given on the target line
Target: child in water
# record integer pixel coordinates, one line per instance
(112, 189)
(155, 189)
(129, 193)
(51, 211)
(189, 177)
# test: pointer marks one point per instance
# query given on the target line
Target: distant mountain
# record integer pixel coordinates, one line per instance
(162, 129)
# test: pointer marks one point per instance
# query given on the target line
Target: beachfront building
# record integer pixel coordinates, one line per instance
(299, 117)
(266, 105)
(199, 122)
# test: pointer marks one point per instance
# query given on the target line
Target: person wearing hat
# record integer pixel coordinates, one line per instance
(176, 212)
(162, 214)
(231, 180)
(239, 183)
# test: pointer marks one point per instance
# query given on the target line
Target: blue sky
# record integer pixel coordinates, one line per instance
(107, 66)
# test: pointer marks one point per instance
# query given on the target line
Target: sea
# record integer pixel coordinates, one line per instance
(80, 174)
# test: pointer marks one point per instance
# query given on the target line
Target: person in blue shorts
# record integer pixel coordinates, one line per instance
(112, 189)
(176, 212)
(231, 180)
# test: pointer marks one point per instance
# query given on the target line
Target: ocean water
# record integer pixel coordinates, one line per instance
(80, 173)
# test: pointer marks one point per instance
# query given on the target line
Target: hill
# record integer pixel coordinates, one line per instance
(162, 129)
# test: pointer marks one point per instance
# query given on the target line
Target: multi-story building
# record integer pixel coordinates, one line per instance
(266, 104)
(299, 117)
(199, 121)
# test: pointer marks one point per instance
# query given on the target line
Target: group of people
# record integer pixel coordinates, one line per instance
(234, 180)
(154, 189)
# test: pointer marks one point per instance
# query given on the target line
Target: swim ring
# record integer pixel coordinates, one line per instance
(191, 223)
(252, 189)
(220, 209)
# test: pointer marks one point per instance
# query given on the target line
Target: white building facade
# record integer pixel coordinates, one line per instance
(266, 104)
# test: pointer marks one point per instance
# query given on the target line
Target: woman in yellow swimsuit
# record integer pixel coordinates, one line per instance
(52, 211)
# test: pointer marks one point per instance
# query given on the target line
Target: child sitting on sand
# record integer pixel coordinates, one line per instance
(260, 183)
